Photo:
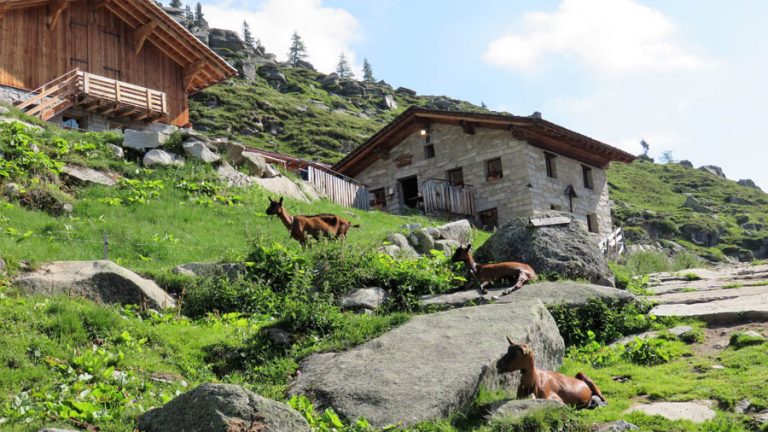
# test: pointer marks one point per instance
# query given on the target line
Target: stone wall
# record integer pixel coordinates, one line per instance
(522, 165)
(10, 94)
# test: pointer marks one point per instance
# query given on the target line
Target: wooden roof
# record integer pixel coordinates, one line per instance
(536, 131)
(202, 66)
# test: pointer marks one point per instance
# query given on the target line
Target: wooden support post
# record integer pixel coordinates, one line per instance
(117, 92)
(141, 34)
(106, 246)
(55, 9)
(191, 71)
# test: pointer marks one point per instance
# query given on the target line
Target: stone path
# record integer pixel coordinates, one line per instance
(724, 295)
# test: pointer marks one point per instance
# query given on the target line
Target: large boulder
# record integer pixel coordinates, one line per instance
(364, 299)
(714, 170)
(142, 140)
(516, 409)
(749, 183)
(232, 177)
(157, 157)
(567, 250)
(273, 75)
(87, 175)
(226, 39)
(100, 281)
(196, 149)
(550, 293)
(460, 231)
(210, 269)
(222, 407)
(254, 163)
(430, 367)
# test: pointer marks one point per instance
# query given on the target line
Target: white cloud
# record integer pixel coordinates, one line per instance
(606, 36)
(326, 31)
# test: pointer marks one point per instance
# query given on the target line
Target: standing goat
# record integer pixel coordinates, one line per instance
(580, 391)
(302, 227)
(487, 273)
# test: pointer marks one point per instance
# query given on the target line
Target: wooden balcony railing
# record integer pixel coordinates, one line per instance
(96, 94)
(439, 195)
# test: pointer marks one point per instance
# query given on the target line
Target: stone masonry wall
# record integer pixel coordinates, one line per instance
(10, 94)
(522, 165)
(456, 149)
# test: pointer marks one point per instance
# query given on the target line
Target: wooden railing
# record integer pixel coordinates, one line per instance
(106, 95)
(121, 93)
(342, 191)
(613, 245)
(439, 195)
(52, 98)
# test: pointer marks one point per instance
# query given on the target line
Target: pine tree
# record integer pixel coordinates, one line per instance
(199, 18)
(247, 36)
(259, 46)
(343, 69)
(176, 3)
(646, 147)
(190, 16)
(298, 50)
(367, 71)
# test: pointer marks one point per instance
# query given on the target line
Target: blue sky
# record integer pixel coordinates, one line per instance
(689, 76)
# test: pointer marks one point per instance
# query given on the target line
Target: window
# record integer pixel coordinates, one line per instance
(456, 177)
(378, 199)
(555, 207)
(549, 158)
(587, 174)
(592, 224)
(489, 219)
(70, 123)
(493, 169)
(429, 151)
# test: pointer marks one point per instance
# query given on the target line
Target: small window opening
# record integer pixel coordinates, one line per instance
(592, 224)
(587, 174)
(456, 177)
(429, 151)
(549, 158)
(493, 169)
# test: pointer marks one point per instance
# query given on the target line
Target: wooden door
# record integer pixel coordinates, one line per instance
(79, 56)
(108, 52)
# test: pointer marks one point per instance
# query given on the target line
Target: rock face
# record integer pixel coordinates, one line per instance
(691, 411)
(431, 366)
(254, 163)
(714, 170)
(100, 281)
(550, 293)
(88, 175)
(157, 157)
(748, 183)
(222, 407)
(460, 231)
(232, 177)
(567, 250)
(692, 203)
(730, 294)
(227, 39)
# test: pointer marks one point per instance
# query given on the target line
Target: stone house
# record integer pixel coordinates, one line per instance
(490, 167)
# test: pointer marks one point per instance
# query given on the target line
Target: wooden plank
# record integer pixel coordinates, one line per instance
(542, 222)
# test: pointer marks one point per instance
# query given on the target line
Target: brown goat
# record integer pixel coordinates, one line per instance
(579, 392)
(302, 227)
(487, 273)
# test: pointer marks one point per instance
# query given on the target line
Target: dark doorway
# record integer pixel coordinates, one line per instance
(489, 219)
(410, 188)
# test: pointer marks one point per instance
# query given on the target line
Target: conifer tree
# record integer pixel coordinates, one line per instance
(176, 3)
(248, 36)
(190, 15)
(343, 69)
(367, 71)
(199, 18)
(298, 50)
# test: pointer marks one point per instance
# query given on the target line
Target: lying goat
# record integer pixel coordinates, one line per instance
(579, 392)
(302, 227)
(487, 273)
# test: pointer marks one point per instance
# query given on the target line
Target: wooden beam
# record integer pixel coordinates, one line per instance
(55, 9)
(101, 3)
(141, 34)
(191, 71)
(3, 10)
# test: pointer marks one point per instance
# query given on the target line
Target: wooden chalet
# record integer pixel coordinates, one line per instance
(113, 62)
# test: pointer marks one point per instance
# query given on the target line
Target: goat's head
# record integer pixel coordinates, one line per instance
(517, 357)
(274, 206)
(462, 253)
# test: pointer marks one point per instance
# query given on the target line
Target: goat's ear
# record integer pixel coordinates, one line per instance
(281, 200)
(469, 247)
(511, 342)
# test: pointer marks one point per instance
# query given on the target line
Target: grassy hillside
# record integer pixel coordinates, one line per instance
(732, 220)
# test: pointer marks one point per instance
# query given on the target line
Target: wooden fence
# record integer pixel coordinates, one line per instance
(342, 191)
(441, 196)
(613, 245)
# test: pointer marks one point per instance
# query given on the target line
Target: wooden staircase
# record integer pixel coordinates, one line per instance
(52, 98)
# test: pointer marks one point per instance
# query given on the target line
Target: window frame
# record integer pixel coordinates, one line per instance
(373, 194)
(592, 225)
(429, 151)
(450, 178)
(497, 173)
(587, 176)
(551, 166)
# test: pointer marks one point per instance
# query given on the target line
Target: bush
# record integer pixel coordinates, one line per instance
(642, 263)
(607, 320)
(220, 295)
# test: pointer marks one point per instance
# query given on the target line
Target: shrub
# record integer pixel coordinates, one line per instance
(278, 267)
(686, 260)
(741, 340)
(642, 263)
(608, 320)
(219, 294)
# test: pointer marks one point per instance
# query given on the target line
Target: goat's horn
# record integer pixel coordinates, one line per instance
(510, 341)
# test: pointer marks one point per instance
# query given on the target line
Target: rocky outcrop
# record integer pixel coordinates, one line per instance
(364, 299)
(157, 157)
(713, 169)
(197, 149)
(749, 183)
(143, 140)
(225, 39)
(566, 250)
(418, 240)
(691, 411)
(222, 407)
(272, 74)
(208, 269)
(692, 203)
(86, 175)
(429, 367)
(550, 293)
(100, 281)
(515, 409)
(232, 177)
